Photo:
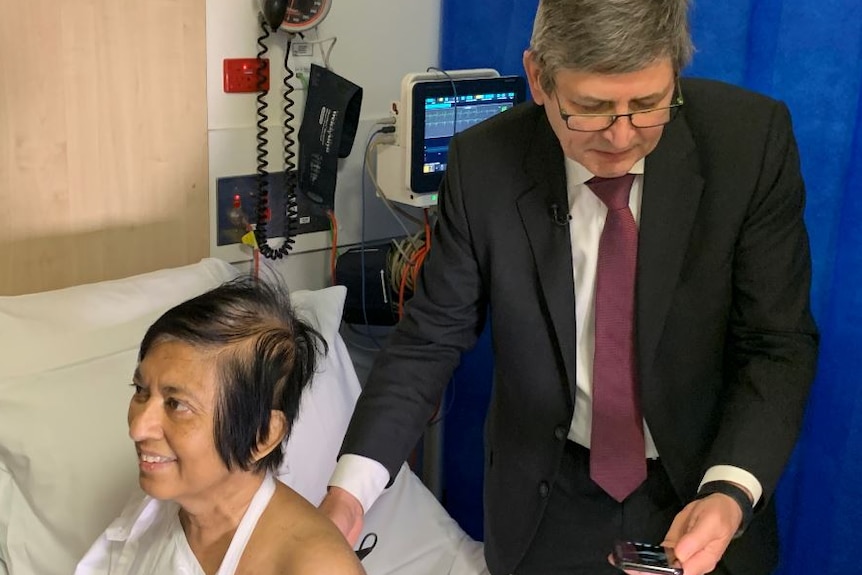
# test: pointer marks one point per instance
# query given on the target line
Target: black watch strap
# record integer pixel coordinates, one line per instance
(735, 493)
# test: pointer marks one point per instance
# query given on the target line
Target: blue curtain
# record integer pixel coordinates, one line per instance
(807, 53)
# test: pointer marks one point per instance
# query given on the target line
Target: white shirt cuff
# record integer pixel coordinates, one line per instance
(734, 475)
(360, 476)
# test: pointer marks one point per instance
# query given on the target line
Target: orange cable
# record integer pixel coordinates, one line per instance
(255, 256)
(427, 230)
(334, 253)
(414, 265)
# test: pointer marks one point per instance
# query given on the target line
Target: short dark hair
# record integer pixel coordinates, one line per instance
(267, 358)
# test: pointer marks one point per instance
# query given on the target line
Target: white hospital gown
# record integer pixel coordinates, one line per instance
(148, 538)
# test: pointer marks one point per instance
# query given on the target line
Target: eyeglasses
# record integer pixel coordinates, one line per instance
(641, 119)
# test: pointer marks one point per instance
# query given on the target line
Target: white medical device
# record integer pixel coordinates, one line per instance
(434, 106)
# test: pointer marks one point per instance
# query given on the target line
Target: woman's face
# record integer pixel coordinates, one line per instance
(171, 422)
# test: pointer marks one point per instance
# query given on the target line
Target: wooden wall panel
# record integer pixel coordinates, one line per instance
(103, 131)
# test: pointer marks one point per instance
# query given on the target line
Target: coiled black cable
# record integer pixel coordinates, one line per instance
(262, 141)
(291, 215)
(291, 178)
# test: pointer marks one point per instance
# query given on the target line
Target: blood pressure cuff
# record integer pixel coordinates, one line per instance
(327, 133)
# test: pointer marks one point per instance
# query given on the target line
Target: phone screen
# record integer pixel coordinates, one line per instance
(636, 556)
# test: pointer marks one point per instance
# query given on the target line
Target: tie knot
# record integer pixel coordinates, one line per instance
(614, 192)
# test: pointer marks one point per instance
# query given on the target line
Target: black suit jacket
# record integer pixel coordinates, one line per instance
(726, 346)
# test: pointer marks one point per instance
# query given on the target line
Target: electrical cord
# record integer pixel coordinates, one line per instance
(389, 128)
(380, 192)
(405, 266)
(291, 176)
(333, 257)
(454, 96)
(363, 299)
(406, 263)
(262, 174)
(291, 212)
(405, 260)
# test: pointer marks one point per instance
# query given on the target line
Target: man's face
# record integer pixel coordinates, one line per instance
(611, 152)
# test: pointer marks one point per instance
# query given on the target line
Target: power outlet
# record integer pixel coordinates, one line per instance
(241, 75)
(232, 225)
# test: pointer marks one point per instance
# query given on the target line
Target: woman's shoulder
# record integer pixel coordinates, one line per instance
(293, 537)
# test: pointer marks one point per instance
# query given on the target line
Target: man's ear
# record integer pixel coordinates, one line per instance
(533, 71)
(277, 430)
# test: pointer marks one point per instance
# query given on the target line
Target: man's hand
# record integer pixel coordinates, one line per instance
(701, 532)
(345, 511)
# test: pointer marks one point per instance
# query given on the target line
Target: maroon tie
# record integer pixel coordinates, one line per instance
(617, 452)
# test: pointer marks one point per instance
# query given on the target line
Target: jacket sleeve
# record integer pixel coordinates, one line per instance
(772, 341)
(443, 318)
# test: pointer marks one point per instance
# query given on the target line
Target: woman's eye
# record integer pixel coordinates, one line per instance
(137, 389)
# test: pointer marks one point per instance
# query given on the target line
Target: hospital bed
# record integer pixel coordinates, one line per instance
(67, 465)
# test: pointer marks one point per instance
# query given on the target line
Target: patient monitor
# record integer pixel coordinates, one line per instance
(433, 107)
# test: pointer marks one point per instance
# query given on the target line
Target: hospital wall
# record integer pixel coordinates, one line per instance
(114, 129)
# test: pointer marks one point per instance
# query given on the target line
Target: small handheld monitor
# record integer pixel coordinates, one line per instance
(646, 558)
(441, 109)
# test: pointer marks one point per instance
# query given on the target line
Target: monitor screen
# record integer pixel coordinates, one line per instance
(440, 110)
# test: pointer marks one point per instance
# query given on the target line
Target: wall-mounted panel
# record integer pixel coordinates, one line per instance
(372, 43)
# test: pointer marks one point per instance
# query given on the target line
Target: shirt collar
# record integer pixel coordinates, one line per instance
(577, 174)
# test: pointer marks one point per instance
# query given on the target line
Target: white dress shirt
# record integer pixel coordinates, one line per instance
(366, 478)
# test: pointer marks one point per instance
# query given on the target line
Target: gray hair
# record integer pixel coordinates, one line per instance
(608, 36)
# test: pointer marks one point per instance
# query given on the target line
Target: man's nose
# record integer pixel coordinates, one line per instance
(621, 133)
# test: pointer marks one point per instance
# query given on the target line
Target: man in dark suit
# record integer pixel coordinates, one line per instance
(673, 324)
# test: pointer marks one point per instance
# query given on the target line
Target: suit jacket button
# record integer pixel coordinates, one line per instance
(560, 432)
(544, 489)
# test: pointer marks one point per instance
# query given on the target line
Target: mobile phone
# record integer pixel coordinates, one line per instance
(645, 557)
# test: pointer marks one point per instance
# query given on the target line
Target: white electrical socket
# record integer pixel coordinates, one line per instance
(302, 56)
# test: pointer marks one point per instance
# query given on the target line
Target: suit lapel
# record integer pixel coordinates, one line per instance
(550, 243)
(671, 194)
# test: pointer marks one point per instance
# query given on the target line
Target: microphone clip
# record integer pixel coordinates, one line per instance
(558, 216)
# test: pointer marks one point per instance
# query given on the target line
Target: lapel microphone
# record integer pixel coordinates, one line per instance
(558, 217)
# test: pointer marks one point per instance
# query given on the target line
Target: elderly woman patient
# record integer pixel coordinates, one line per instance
(216, 389)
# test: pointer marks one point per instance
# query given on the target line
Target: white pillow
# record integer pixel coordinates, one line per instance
(63, 442)
(35, 328)
(115, 301)
(315, 440)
